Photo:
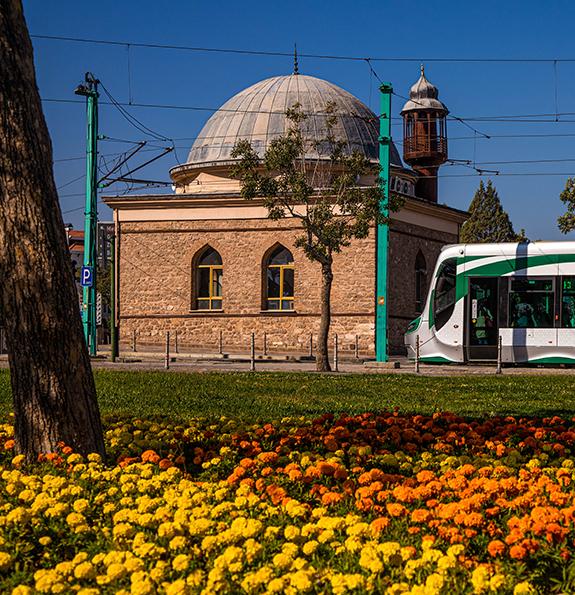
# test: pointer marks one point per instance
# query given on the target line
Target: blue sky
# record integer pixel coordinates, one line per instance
(419, 30)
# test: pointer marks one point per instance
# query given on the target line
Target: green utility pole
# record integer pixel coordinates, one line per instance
(382, 241)
(89, 89)
(113, 334)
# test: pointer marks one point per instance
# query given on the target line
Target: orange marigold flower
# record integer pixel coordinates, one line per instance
(9, 444)
(396, 510)
(330, 498)
(150, 456)
(421, 515)
(380, 524)
(269, 458)
(517, 552)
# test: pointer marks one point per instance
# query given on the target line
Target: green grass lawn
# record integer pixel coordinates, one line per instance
(270, 395)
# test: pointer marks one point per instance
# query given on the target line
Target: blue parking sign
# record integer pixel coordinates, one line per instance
(87, 277)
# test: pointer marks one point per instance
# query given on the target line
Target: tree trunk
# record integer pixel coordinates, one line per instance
(322, 361)
(52, 385)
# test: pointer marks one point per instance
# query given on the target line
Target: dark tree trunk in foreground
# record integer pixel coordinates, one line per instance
(52, 385)
(322, 362)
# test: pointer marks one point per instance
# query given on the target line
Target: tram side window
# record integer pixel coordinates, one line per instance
(531, 303)
(568, 303)
(444, 294)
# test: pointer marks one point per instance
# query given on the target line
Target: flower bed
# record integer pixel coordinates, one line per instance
(383, 503)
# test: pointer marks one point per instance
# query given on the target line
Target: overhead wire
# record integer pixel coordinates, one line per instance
(300, 54)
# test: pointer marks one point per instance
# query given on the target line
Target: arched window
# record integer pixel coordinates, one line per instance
(208, 275)
(279, 286)
(420, 281)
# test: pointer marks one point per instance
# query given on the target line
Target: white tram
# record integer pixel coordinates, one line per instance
(523, 293)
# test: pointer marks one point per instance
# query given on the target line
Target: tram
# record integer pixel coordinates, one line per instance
(520, 294)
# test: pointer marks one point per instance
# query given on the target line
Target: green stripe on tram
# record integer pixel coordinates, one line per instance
(552, 360)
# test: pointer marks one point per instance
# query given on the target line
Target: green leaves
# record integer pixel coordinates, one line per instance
(488, 222)
(566, 222)
(332, 185)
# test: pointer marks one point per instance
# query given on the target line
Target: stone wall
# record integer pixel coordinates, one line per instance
(156, 285)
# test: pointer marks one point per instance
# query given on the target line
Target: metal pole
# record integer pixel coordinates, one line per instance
(311, 345)
(253, 353)
(417, 354)
(265, 343)
(89, 89)
(381, 350)
(113, 333)
(134, 340)
(221, 343)
(176, 350)
(335, 354)
(167, 350)
(357, 347)
(499, 354)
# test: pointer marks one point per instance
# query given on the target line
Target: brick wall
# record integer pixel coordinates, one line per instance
(156, 284)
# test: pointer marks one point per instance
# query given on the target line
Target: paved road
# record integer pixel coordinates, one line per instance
(241, 363)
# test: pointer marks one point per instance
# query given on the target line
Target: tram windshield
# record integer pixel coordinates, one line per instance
(444, 295)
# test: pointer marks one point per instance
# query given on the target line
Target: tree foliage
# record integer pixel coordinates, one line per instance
(324, 194)
(488, 222)
(326, 198)
(567, 221)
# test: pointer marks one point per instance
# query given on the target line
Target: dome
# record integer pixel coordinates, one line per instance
(258, 114)
(423, 95)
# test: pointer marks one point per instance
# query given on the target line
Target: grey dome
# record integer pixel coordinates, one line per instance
(424, 95)
(257, 114)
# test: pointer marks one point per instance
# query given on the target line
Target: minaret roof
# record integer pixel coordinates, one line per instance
(424, 96)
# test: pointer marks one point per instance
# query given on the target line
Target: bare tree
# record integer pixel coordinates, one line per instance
(323, 194)
(52, 384)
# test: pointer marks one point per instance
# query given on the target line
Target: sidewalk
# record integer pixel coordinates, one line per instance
(240, 362)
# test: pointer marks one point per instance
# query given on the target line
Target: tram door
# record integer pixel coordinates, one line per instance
(482, 319)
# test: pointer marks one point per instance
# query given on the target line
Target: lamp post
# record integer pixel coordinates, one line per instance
(382, 241)
(89, 89)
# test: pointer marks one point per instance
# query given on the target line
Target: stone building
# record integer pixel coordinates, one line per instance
(204, 261)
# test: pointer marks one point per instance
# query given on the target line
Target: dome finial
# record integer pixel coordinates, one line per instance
(295, 64)
(422, 67)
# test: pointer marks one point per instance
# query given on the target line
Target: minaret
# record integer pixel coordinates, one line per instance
(425, 135)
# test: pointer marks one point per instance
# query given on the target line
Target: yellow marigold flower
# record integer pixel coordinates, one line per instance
(180, 562)
(84, 570)
(480, 579)
(5, 560)
(75, 518)
(22, 589)
(282, 561)
(301, 580)
(434, 583)
(123, 530)
(276, 585)
(326, 536)
(291, 532)
(178, 587)
(397, 589)
(18, 515)
(252, 549)
(134, 564)
(496, 582)
(523, 588)
(271, 532)
(177, 543)
(310, 547)
(445, 563)
(81, 505)
(17, 461)
(455, 550)
(26, 495)
(116, 571)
